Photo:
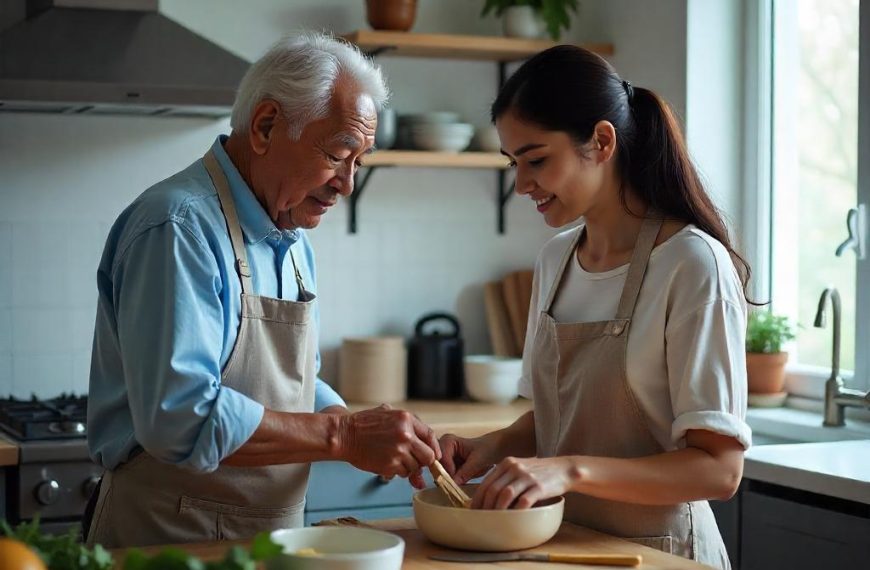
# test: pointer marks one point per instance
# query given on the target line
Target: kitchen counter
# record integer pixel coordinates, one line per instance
(8, 452)
(836, 469)
(463, 418)
(570, 539)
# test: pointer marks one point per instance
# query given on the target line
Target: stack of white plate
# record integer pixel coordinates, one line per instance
(373, 370)
(438, 131)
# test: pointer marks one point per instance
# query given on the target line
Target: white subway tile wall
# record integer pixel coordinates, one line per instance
(427, 237)
(427, 240)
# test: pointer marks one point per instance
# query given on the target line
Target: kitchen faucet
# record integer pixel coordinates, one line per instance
(837, 396)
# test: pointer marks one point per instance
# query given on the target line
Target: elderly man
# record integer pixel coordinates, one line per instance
(205, 407)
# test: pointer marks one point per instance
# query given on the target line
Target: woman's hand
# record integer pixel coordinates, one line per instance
(520, 483)
(464, 459)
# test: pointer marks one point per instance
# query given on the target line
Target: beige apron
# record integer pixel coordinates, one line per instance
(145, 501)
(584, 406)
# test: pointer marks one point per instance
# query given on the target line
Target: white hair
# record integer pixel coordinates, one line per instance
(299, 72)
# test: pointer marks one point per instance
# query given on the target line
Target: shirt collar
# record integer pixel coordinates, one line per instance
(256, 223)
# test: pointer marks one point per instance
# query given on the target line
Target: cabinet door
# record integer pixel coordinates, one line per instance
(337, 485)
(396, 512)
(727, 515)
(779, 533)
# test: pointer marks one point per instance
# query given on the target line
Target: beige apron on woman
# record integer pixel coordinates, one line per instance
(145, 501)
(584, 406)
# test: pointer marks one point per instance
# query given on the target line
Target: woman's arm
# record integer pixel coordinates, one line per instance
(710, 467)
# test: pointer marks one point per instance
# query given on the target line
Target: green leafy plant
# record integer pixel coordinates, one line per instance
(63, 552)
(766, 332)
(66, 553)
(555, 13)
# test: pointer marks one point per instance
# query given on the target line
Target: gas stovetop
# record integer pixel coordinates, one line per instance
(63, 417)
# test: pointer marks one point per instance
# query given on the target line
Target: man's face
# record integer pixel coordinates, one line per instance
(300, 180)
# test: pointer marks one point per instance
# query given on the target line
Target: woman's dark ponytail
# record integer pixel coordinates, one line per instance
(661, 172)
(570, 89)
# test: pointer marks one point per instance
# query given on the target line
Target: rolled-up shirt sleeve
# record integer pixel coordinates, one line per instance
(170, 329)
(706, 362)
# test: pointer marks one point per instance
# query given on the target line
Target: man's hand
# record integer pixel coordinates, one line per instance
(388, 442)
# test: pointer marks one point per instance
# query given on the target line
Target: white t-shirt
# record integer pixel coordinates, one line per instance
(686, 346)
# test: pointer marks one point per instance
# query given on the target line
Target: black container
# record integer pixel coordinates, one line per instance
(435, 360)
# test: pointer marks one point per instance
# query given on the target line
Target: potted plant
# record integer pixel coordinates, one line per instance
(529, 18)
(765, 359)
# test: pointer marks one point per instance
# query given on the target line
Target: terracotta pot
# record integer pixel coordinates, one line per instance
(766, 372)
(395, 15)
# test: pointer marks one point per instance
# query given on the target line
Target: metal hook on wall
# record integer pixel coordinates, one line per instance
(856, 223)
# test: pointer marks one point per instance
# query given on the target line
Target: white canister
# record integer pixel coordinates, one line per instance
(522, 22)
(373, 370)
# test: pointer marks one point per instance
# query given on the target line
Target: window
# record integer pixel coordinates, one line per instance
(807, 80)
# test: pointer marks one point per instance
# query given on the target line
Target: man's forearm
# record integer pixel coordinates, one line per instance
(291, 438)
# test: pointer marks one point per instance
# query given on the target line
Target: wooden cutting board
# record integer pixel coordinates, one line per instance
(570, 539)
(501, 332)
(517, 288)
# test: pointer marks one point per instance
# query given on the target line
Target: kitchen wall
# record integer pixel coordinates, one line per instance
(427, 237)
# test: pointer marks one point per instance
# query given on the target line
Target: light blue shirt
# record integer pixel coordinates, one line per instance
(168, 316)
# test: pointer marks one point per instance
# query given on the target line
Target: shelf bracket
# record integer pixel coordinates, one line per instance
(358, 186)
(379, 50)
(504, 194)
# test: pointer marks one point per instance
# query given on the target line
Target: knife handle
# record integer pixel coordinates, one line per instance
(599, 559)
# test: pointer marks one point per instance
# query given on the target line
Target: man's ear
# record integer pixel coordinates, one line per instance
(263, 122)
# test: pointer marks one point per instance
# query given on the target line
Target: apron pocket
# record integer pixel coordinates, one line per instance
(234, 522)
(663, 543)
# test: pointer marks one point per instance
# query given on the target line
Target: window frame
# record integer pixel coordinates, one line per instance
(759, 181)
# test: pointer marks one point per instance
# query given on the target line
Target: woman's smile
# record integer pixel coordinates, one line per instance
(543, 203)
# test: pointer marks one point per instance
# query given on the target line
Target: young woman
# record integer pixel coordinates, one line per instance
(634, 356)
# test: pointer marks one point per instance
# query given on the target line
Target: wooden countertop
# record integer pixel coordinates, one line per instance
(570, 539)
(8, 452)
(464, 418)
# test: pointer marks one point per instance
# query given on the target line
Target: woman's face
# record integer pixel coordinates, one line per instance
(563, 180)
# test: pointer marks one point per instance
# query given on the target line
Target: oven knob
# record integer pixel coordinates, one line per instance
(89, 486)
(48, 492)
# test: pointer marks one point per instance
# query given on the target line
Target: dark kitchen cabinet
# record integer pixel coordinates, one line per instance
(788, 528)
(727, 515)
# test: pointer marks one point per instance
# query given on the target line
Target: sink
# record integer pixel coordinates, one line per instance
(787, 425)
(762, 439)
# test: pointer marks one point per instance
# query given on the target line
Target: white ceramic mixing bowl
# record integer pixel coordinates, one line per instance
(337, 548)
(485, 530)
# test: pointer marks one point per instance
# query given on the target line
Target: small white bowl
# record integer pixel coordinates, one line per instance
(431, 117)
(495, 379)
(338, 548)
(487, 139)
(485, 530)
(444, 129)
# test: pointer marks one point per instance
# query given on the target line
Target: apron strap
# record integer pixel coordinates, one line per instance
(228, 205)
(557, 282)
(643, 247)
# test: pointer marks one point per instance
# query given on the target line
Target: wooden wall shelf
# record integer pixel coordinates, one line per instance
(488, 48)
(501, 50)
(421, 158)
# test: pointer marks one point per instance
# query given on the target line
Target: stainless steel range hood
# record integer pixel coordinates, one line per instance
(110, 57)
